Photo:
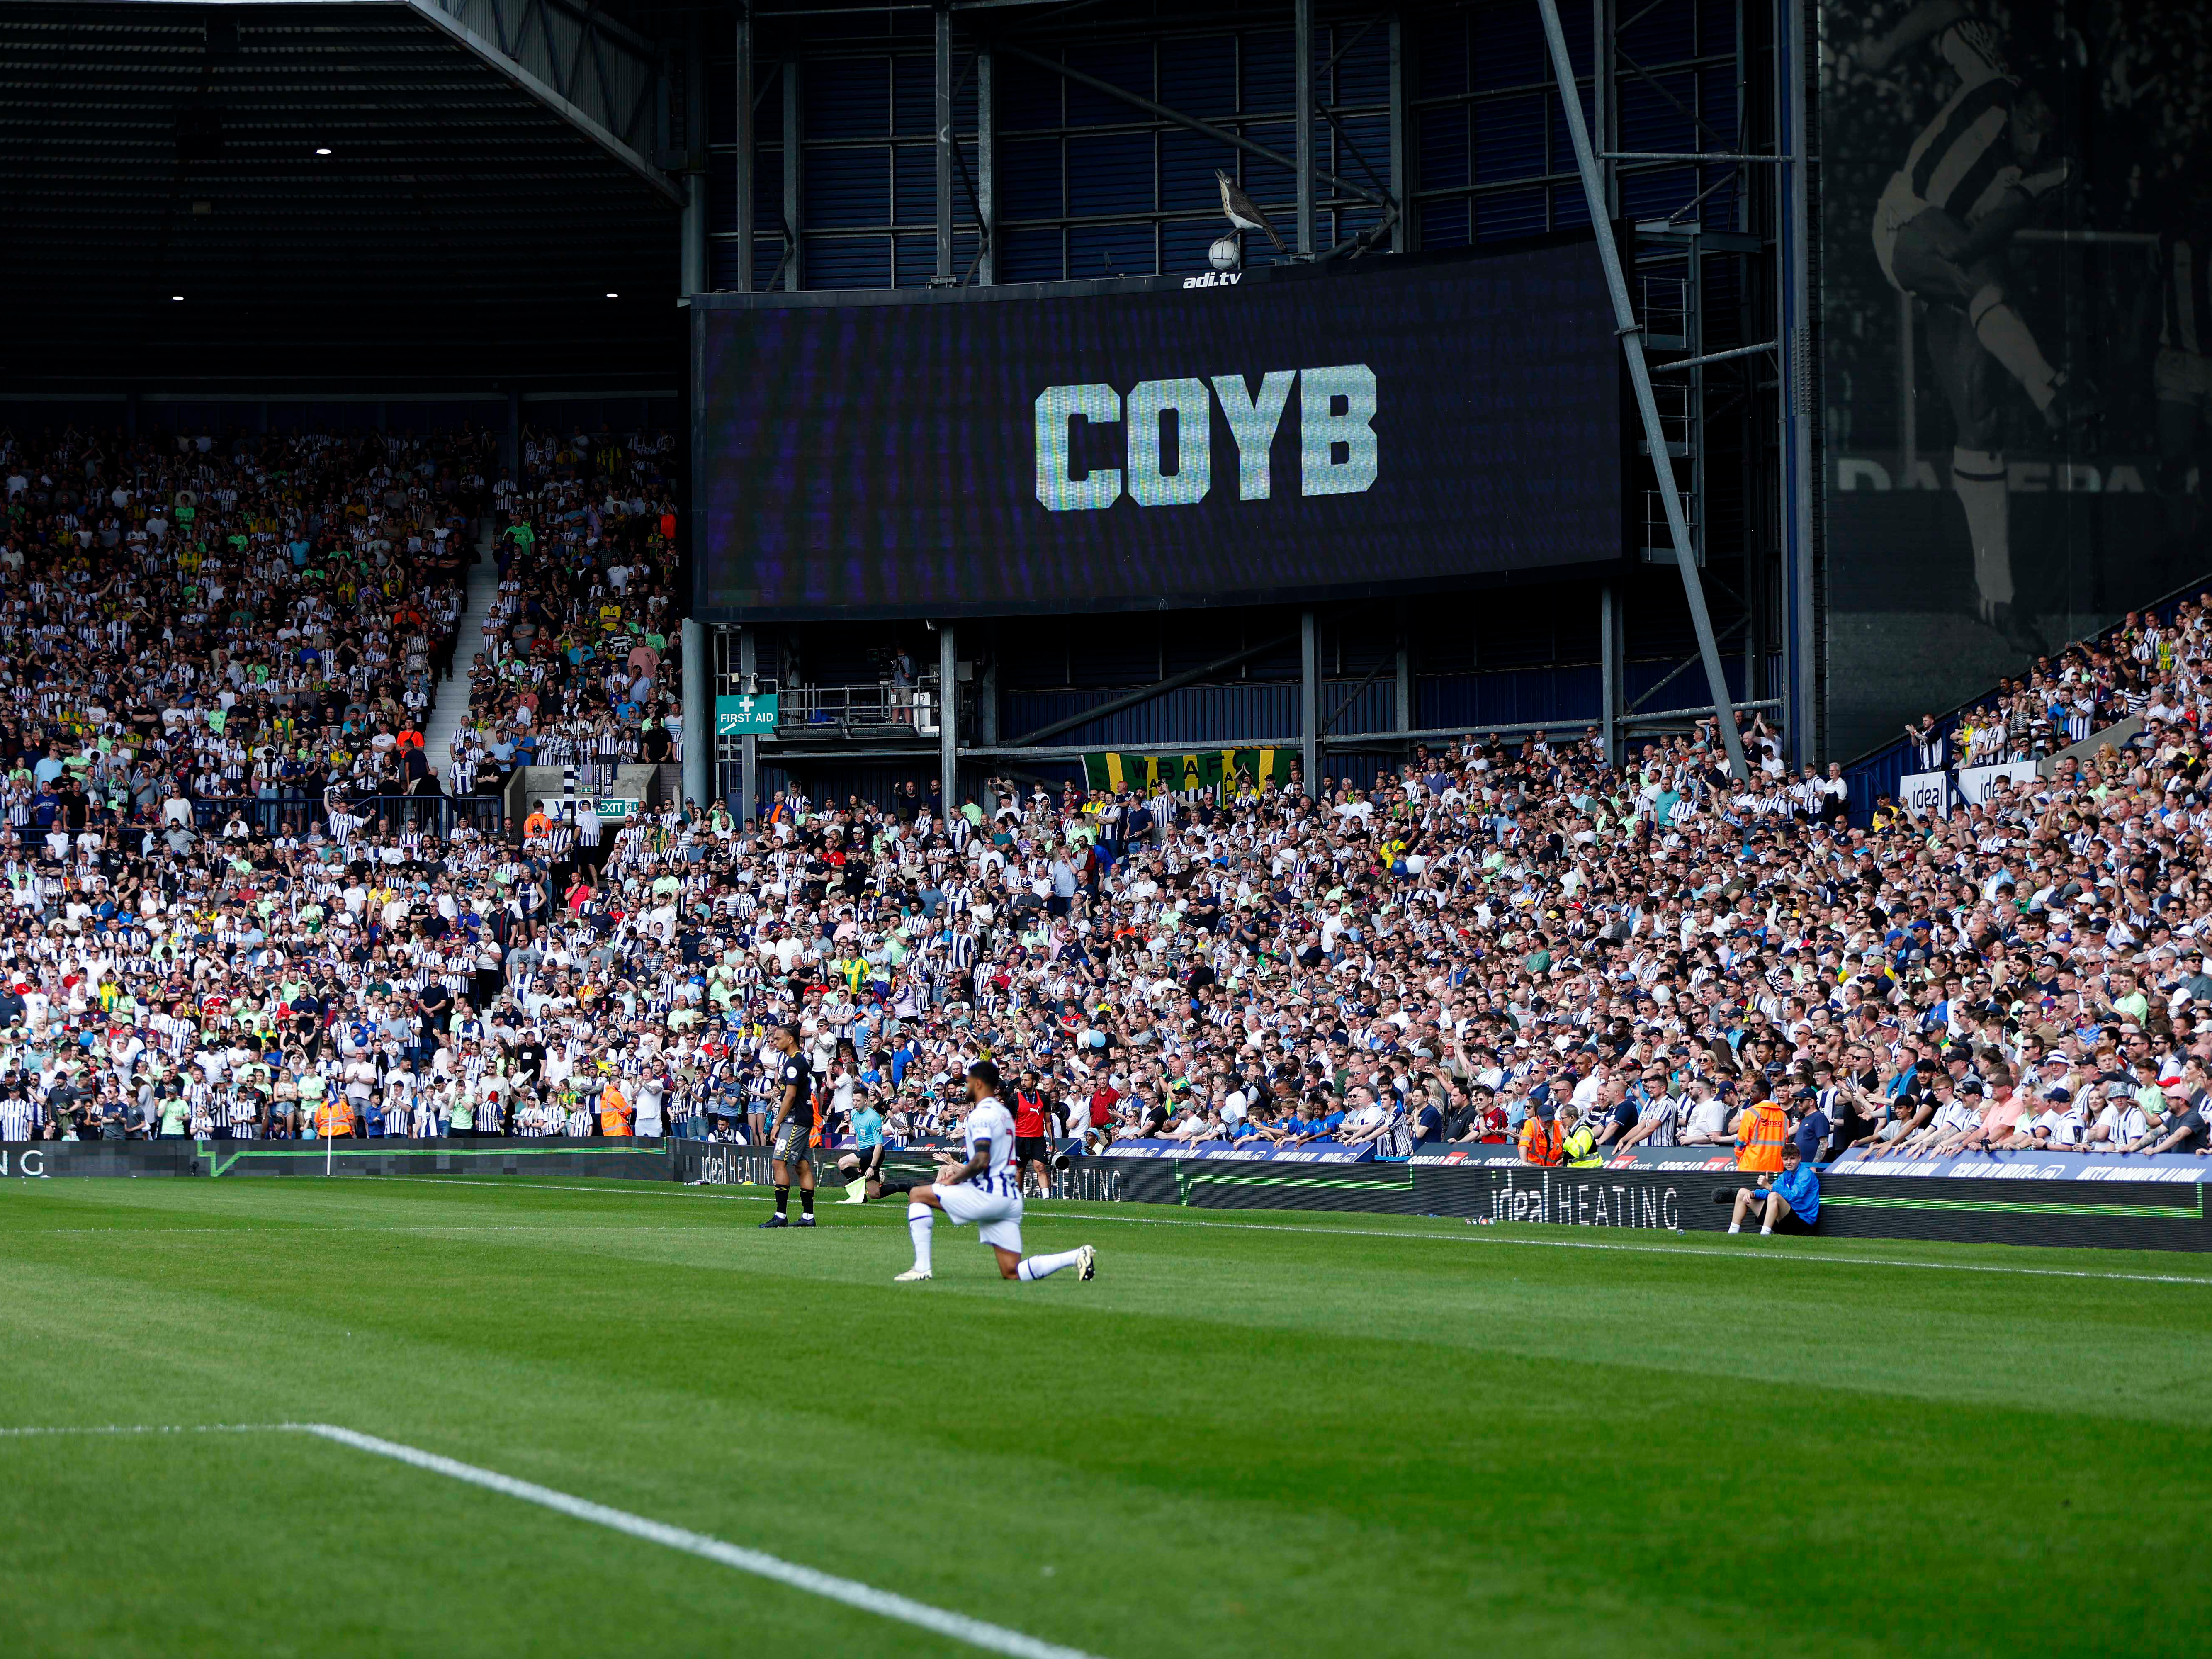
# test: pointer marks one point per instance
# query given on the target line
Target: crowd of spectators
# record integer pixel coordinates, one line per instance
(1498, 935)
(2144, 667)
(575, 667)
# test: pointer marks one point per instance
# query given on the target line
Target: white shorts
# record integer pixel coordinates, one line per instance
(998, 1221)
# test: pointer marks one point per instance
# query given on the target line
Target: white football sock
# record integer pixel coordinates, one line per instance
(919, 1219)
(1768, 1228)
(1978, 478)
(1736, 1226)
(1044, 1267)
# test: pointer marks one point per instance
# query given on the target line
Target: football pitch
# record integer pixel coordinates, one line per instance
(591, 1419)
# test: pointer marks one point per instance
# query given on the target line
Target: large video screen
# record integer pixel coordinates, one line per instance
(1271, 435)
(2017, 233)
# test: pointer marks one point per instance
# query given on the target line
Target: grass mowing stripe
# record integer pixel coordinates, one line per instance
(1750, 1254)
(496, 1183)
(975, 1632)
(995, 1638)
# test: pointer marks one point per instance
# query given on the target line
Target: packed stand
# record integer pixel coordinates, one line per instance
(192, 626)
(1499, 935)
(575, 668)
(2144, 667)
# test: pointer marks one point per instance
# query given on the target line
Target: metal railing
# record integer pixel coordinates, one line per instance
(877, 708)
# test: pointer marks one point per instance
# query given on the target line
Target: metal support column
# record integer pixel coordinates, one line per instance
(1402, 232)
(1310, 702)
(693, 122)
(1632, 344)
(1609, 674)
(747, 152)
(794, 179)
(748, 745)
(1405, 666)
(948, 716)
(1302, 46)
(1801, 648)
(698, 715)
(986, 168)
(945, 157)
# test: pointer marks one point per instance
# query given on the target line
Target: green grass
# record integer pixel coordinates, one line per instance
(1277, 1435)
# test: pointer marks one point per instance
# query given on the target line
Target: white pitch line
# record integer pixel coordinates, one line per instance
(886, 1604)
(1751, 1253)
(464, 1184)
(154, 1428)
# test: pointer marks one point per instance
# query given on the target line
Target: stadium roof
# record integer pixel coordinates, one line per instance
(335, 190)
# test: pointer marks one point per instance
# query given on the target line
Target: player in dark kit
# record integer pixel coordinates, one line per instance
(792, 1131)
(1974, 178)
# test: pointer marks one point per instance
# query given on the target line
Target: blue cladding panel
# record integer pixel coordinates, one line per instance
(1128, 66)
(914, 95)
(847, 97)
(915, 195)
(1199, 77)
(1266, 183)
(1437, 66)
(1665, 34)
(1478, 701)
(1187, 162)
(1184, 245)
(1027, 97)
(1656, 195)
(847, 187)
(1717, 101)
(1500, 216)
(1444, 149)
(917, 260)
(1363, 74)
(1507, 46)
(768, 193)
(1570, 206)
(1443, 224)
(1124, 250)
(1029, 179)
(1111, 175)
(848, 261)
(1363, 139)
(1030, 256)
(1717, 26)
(1270, 74)
(1508, 138)
(1652, 115)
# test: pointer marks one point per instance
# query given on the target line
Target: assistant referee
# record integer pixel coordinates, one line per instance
(792, 1131)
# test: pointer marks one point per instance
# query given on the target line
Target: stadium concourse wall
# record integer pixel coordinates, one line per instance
(2056, 1198)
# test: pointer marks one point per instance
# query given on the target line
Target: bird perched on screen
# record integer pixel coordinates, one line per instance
(1241, 212)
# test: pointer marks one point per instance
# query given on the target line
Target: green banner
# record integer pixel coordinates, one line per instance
(1204, 768)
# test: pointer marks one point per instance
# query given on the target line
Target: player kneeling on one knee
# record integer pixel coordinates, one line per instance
(1794, 1195)
(985, 1190)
